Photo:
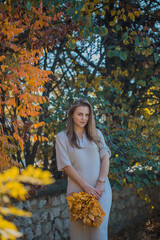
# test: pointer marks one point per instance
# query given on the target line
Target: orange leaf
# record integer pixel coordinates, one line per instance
(2, 58)
(37, 125)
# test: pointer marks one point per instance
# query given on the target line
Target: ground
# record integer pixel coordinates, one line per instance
(147, 230)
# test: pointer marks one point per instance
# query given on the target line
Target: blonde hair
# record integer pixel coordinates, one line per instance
(90, 127)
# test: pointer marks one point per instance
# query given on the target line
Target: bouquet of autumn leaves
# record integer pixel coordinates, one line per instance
(85, 207)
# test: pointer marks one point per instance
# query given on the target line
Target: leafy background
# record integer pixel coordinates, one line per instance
(53, 52)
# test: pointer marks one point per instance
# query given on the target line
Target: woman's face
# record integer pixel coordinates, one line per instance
(80, 116)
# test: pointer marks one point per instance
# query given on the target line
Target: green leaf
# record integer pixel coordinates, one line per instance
(107, 103)
(47, 120)
(145, 180)
(117, 52)
(118, 27)
(97, 30)
(139, 184)
(123, 55)
(104, 31)
(76, 16)
(145, 42)
(141, 83)
(29, 6)
(72, 44)
(126, 35)
(116, 186)
(86, 33)
(156, 57)
(138, 41)
(110, 53)
(111, 47)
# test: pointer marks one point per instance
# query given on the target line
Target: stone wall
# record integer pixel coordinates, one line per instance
(50, 220)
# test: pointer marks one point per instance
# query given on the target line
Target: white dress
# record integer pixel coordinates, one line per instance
(87, 163)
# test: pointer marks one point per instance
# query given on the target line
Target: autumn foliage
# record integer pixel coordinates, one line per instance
(86, 208)
(53, 52)
(26, 33)
(13, 185)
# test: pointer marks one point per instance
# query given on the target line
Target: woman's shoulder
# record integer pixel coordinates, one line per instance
(98, 132)
(62, 135)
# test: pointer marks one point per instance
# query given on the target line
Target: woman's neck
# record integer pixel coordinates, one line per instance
(79, 131)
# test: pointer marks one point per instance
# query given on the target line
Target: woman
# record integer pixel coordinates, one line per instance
(82, 153)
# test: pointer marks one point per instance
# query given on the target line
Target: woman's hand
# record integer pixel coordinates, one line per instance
(91, 190)
(72, 173)
(100, 187)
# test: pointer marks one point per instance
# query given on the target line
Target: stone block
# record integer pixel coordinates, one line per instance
(139, 203)
(38, 230)
(58, 225)
(121, 204)
(135, 212)
(66, 234)
(44, 216)
(19, 205)
(56, 211)
(34, 202)
(120, 216)
(49, 201)
(46, 228)
(113, 218)
(66, 223)
(115, 195)
(51, 235)
(42, 203)
(25, 221)
(51, 216)
(127, 214)
(62, 198)
(16, 221)
(113, 206)
(126, 191)
(65, 213)
(29, 234)
(35, 217)
(132, 200)
(55, 201)
(27, 206)
(21, 230)
(57, 235)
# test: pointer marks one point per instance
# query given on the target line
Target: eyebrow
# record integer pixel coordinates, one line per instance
(84, 113)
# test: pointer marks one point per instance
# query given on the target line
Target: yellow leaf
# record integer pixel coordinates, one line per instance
(136, 13)
(125, 41)
(106, 31)
(131, 16)
(14, 233)
(122, 10)
(112, 23)
(124, 18)
(113, 12)
(133, 33)
(14, 211)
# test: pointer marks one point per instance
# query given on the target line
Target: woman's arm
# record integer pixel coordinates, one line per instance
(73, 174)
(103, 172)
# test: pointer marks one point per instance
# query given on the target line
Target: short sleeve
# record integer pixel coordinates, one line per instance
(62, 155)
(103, 147)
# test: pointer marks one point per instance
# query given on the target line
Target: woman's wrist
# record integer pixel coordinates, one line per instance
(101, 179)
(83, 184)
